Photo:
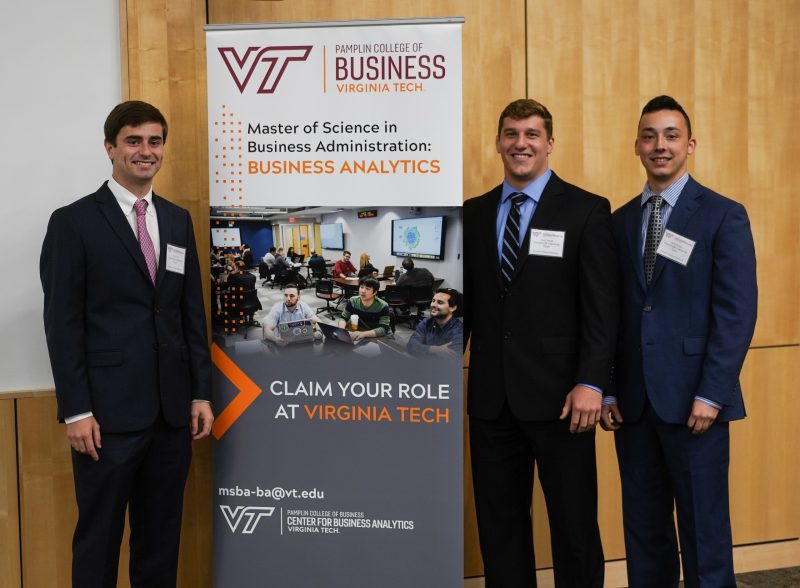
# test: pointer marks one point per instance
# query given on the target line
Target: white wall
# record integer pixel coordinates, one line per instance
(60, 75)
(374, 236)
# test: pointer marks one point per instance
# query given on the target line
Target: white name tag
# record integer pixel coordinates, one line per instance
(675, 247)
(176, 258)
(546, 243)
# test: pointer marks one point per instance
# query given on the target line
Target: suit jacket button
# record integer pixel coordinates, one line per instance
(647, 308)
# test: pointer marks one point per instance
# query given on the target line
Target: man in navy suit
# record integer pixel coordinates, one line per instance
(126, 333)
(541, 311)
(688, 281)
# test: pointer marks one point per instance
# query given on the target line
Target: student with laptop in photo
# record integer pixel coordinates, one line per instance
(441, 334)
(287, 321)
(366, 315)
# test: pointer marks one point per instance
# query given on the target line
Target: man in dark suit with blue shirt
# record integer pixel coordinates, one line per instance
(689, 296)
(126, 333)
(541, 312)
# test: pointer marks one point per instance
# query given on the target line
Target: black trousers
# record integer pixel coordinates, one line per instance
(504, 451)
(144, 471)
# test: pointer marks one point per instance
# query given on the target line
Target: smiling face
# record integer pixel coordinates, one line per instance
(524, 146)
(663, 146)
(136, 157)
(441, 310)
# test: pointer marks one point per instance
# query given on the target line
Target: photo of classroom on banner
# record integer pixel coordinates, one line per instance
(330, 280)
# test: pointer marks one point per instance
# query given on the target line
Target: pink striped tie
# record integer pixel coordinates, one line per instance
(145, 242)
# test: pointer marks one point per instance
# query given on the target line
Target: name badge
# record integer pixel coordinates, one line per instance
(546, 243)
(176, 258)
(675, 247)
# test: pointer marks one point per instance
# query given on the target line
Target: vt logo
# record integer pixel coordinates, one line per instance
(249, 514)
(270, 60)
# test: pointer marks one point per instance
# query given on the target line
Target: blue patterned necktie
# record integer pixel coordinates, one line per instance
(511, 236)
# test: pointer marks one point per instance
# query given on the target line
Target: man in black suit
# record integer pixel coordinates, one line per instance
(541, 310)
(126, 332)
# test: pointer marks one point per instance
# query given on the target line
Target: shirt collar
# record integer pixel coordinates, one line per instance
(670, 193)
(533, 190)
(126, 199)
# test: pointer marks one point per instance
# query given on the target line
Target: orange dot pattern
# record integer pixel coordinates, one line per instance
(227, 153)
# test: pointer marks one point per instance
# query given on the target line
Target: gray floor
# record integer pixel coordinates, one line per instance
(783, 578)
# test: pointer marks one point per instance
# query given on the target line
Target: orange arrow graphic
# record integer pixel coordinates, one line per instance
(248, 391)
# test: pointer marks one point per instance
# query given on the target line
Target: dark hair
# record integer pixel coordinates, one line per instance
(292, 285)
(408, 263)
(133, 113)
(453, 294)
(346, 252)
(526, 108)
(370, 282)
(272, 250)
(664, 102)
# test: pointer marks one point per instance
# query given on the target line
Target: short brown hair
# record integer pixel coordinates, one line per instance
(526, 108)
(133, 113)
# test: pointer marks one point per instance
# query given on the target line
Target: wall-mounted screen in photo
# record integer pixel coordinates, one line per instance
(332, 236)
(228, 237)
(421, 237)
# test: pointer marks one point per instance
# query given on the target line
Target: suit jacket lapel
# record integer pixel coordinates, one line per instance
(633, 231)
(164, 237)
(110, 209)
(684, 209)
(488, 232)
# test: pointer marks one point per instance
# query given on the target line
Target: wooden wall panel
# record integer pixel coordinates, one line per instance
(47, 497)
(765, 470)
(10, 570)
(770, 189)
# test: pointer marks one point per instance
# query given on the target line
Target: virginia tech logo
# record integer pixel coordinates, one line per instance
(249, 514)
(274, 60)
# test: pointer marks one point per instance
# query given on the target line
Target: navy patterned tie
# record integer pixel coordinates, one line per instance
(511, 236)
(655, 229)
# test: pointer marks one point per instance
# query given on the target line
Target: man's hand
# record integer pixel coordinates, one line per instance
(610, 417)
(358, 336)
(584, 404)
(702, 417)
(84, 437)
(202, 419)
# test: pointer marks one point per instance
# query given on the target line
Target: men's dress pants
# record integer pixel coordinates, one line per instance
(503, 453)
(663, 465)
(145, 471)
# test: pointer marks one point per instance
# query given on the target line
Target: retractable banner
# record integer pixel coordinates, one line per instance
(338, 454)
